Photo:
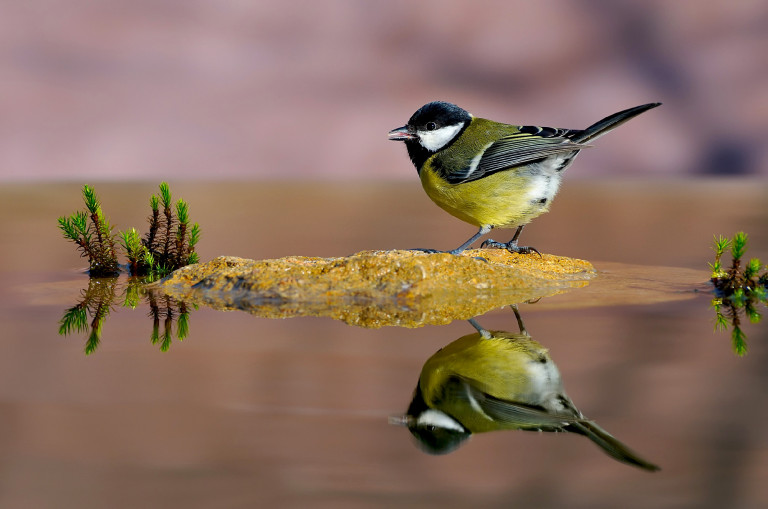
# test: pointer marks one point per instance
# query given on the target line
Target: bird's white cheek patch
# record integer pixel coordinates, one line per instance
(437, 139)
(439, 419)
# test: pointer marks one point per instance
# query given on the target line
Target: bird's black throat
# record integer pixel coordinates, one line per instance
(417, 154)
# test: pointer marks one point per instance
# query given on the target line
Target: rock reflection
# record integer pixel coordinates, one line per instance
(497, 380)
(103, 294)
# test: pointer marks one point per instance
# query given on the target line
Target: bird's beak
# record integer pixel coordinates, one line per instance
(400, 420)
(401, 134)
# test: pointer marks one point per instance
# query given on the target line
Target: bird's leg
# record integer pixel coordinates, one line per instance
(512, 246)
(483, 332)
(483, 230)
(520, 324)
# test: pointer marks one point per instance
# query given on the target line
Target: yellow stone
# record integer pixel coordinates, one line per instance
(378, 288)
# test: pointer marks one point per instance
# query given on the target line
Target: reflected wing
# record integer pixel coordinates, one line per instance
(513, 413)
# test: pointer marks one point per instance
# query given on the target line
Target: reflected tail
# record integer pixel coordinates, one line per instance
(611, 445)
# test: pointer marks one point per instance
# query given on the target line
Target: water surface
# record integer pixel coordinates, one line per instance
(250, 411)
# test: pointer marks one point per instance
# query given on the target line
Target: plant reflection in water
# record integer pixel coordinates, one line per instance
(739, 289)
(99, 299)
(497, 380)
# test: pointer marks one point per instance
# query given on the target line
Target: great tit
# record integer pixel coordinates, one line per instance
(494, 175)
(496, 380)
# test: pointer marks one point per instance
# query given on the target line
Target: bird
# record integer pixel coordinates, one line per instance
(490, 174)
(497, 380)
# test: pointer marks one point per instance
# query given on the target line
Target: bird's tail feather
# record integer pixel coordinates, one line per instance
(611, 122)
(611, 445)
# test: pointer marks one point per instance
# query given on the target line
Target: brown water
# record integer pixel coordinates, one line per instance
(248, 411)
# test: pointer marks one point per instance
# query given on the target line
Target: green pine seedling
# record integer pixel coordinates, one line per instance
(739, 291)
(168, 245)
(92, 233)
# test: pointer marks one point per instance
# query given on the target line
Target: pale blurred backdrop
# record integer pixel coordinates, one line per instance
(177, 89)
(271, 118)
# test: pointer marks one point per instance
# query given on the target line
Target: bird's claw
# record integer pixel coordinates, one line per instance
(428, 251)
(510, 246)
(454, 252)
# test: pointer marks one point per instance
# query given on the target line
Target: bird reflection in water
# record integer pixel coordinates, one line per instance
(497, 380)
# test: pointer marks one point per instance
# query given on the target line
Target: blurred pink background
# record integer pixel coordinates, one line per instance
(117, 90)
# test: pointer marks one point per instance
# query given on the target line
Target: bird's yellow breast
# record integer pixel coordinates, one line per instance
(499, 200)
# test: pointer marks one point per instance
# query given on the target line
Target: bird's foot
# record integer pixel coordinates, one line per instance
(428, 251)
(434, 251)
(510, 246)
(454, 252)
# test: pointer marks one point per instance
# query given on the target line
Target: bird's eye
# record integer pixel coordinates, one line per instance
(431, 126)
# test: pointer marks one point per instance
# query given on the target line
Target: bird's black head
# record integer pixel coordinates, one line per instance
(433, 127)
(433, 438)
(437, 115)
(435, 431)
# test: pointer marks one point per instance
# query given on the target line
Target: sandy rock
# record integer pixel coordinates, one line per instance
(377, 288)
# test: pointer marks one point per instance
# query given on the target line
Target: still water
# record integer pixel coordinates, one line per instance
(244, 411)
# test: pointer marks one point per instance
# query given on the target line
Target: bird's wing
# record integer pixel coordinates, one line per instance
(517, 414)
(530, 144)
